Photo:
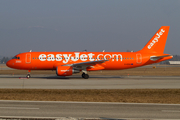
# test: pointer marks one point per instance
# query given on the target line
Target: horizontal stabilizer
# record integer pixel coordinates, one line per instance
(154, 58)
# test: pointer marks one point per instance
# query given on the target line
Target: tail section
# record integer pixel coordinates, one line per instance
(157, 43)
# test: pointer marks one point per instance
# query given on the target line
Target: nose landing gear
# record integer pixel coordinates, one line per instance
(28, 75)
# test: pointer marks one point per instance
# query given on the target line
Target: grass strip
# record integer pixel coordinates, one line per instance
(169, 96)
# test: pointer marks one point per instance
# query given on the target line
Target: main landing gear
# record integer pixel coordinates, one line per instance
(28, 75)
(85, 76)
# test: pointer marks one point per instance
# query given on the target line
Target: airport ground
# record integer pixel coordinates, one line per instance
(150, 70)
(171, 96)
(36, 110)
(99, 91)
(117, 94)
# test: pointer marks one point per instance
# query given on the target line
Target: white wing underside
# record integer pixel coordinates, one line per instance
(86, 64)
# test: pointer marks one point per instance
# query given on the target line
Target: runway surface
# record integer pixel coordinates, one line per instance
(95, 82)
(27, 109)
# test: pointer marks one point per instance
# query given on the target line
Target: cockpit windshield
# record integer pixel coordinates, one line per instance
(15, 57)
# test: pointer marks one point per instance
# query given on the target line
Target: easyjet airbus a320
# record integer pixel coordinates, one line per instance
(67, 63)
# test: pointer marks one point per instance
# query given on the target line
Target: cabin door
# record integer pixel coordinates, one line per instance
(28, 58)
(139, 58)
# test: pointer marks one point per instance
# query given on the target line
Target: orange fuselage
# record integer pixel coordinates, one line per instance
(50, 60)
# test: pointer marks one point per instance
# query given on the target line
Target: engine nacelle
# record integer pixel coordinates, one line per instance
(65, 71)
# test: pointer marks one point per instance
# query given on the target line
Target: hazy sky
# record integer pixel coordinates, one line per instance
(95, 25)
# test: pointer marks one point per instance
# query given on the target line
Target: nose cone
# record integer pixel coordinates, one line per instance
(9, 63)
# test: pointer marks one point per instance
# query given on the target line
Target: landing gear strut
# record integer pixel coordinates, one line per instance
(85, 76)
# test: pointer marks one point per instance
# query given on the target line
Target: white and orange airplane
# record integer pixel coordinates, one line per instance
(67, 63)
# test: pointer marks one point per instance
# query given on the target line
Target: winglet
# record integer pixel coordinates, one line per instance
(157, 43)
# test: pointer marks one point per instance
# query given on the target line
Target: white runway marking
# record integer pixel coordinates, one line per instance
(19, 108)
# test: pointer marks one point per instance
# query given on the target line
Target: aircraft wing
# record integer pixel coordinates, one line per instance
(154, 58)
(86, 64)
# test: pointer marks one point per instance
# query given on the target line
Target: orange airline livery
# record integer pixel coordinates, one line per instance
(67, 63)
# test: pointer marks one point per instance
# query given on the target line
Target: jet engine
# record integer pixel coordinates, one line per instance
(65, 70)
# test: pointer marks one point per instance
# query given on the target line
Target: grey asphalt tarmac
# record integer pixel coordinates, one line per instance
(95, 82)
(28, 109)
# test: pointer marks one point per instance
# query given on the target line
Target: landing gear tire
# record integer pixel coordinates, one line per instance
(28, 76)
(85, 76)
